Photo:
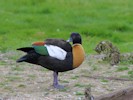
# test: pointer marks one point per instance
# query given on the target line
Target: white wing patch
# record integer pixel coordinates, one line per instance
(57, 52)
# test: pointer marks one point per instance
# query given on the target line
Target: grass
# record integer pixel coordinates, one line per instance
(79, 85)
(31, 76)
(64, 81)
(13, 78)
(16, 68)
(122, 68)
(2, 63)
(43, 69)
(104, 81)
(127, 77)
(79, 93)
(82, 86)
(130, 73)
(2, 84)
(22, 86)
(75, 77)
(26, 21)
(94, 68)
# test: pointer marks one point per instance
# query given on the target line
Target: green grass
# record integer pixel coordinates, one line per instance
(26, 21)
(31, 77)
(13, 78)
(16, 68)
(79, 85)
(2, 63)
(79, 93)
(2, 84)
(104, 81)
(82, 86)
(21, 86)
(127, 77)
(122, 68)
(74, 77)
(130, 73)
(43, 69)
(64, 81)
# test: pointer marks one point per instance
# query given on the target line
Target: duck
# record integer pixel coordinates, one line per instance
(57, 55)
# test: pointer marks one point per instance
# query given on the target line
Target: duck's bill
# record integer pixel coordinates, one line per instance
(69, 40)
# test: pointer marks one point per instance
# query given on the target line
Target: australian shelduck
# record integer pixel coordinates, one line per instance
(57, 55)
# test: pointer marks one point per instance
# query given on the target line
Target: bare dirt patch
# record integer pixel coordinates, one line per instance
(30, 82)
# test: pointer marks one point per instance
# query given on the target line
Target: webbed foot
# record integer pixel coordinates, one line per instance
(57, 86)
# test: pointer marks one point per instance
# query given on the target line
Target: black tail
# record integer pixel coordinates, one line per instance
(26, 49)
(22, 59)
(30, 57)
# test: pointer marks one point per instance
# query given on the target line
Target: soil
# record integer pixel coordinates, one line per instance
(23, 81)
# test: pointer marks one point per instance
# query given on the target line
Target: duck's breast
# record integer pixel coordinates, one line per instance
(78, 55)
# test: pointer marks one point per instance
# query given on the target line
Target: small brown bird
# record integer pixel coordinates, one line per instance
(56, 54)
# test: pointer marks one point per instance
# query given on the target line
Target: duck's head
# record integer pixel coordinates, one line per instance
(75, 38)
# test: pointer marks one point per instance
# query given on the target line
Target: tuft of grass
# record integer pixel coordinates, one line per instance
(44, 69)
(16, 68)
(79, 93)
(75, 77)
(82, 85)
(63, 90)
(2, 63)
(127, 76)
(8, 88)
(64, 81)
(2, 84)
(104, 80)
(32, 76)
(79, 85)
(12, 78)
(22, 86)
(122, 68)
(94, 68)
(130, 73)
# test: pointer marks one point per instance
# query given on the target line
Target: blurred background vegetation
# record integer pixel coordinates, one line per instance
(25, 21)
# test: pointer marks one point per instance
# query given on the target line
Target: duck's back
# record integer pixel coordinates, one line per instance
(60, 43)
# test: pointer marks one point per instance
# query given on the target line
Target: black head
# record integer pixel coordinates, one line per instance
(76, 38)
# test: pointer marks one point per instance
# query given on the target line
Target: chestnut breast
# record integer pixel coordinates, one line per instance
(78, 55)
